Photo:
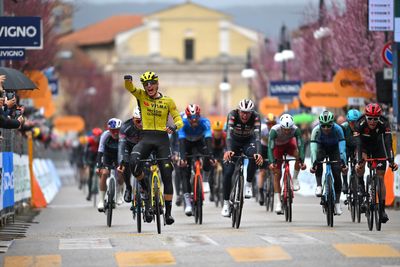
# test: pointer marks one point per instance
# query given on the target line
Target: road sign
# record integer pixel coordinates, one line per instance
(21, 32)
(284, 89)
(380, 15)
(356, 101)
(387, 54)
(12, 53)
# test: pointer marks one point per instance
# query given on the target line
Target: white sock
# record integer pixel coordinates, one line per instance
(295, 174)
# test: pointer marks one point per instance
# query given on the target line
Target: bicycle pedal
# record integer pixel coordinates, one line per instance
(346, 202)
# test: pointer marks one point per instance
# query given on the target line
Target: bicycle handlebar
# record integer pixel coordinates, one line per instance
(154, 159)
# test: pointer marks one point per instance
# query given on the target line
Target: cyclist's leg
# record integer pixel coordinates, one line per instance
(292, 150)
(140, 151)
(321, 154)
(262, 175)
(102, 188)
(165, 166)
(334, 155)
(277, 172)
(380, 172)
(90, 181)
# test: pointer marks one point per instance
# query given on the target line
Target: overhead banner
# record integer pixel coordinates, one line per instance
(21, 32)
(320, 94)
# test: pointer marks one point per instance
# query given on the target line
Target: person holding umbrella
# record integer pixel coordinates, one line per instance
(6, 122)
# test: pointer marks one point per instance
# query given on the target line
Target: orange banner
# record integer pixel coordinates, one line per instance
(320, 94)
(69, 124)
(272, 105)
(349, 83)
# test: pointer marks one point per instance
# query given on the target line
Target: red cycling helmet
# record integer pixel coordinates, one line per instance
(373, 110)
(192, 110)
(97, 131)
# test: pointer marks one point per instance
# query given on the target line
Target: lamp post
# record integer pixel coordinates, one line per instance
(249, 73)
(284, 54)
(225, 88)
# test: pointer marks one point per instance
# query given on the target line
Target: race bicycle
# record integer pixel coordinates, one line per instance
(287, 189)
(110, 197)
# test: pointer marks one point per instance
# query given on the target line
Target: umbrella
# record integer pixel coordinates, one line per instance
(304, 118)
(16, 80)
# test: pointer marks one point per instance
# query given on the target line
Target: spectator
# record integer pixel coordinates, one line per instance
(6, 122)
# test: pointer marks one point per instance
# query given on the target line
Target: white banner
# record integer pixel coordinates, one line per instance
(22, 179)
(45, 179)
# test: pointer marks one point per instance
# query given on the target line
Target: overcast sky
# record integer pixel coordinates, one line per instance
(210, 3)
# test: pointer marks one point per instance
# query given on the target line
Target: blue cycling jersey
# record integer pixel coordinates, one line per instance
(334, 137)
(202, 130)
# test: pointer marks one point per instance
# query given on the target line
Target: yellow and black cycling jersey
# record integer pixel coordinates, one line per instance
(154, 111)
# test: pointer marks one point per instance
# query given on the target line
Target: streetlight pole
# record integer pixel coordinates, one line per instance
(249, 73)
(225, 88)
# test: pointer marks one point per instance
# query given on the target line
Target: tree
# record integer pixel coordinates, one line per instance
(42, 58)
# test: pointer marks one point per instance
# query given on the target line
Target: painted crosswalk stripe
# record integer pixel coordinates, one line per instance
(290, 239)
(144, 258)
(379, 238)
(367, 250)
(251, 254)
(33, 261)
(189, 240)
(84, 243)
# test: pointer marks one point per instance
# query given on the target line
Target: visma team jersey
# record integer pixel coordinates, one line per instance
(203, 130)
(154, 112)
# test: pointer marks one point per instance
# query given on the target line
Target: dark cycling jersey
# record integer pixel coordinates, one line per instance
(108, 150)
(129, 136)
(370, 139)
(91, 150)
(243, 132)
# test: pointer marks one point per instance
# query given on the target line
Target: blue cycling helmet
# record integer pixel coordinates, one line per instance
(353, 115)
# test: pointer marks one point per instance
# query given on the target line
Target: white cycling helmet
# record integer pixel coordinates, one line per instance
(286, 121)
(114, 123)
(246, 105)
(136, 113)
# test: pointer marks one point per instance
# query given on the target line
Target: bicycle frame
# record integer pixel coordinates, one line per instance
(236, 196)
(156, 186)
(329, 195)
(198, 176)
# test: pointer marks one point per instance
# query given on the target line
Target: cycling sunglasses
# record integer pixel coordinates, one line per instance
(326, 126)
(193, 117)
(114, 131)
(138, 120)
(372, 118)
(147, 83)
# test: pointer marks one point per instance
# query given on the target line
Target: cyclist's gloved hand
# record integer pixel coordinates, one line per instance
(228, 155)
(313, 169)
(272, 166)
(393, 166)
(128, 77)
(171, 129)
(259, 159)
(303, 166)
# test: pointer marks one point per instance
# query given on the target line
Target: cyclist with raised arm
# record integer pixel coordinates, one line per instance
(107, 159)
(348, 128)
(155, 109)
(90, 156)
(285, 137)
(327, 140)
(218, 146)
(374, 139)
(270, 121)
(129, 136)
(194, 136)
(243, 136)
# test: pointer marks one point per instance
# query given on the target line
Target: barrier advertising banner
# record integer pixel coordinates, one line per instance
(22, 178)
(7, 180)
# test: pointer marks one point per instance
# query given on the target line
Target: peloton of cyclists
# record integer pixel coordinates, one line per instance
(90, 156)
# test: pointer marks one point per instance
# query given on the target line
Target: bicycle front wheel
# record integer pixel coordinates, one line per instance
(330, 203)
(353, 198)
(157, 211)
(138, 210)
(199, 202)
(110, 201)
(379, 203)
(240, 202)
(288, 200)
(371, 200)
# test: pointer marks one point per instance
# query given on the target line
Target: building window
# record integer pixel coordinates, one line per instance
(189, 49)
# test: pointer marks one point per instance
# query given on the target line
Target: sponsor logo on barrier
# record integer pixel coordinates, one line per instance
(8, 180)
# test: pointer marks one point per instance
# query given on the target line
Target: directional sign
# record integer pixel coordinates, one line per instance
(21, 32)
(387, 54)
(12, 53)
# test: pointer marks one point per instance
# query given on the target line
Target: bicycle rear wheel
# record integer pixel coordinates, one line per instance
(269, 193)
(110, 201)
(379, 202)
